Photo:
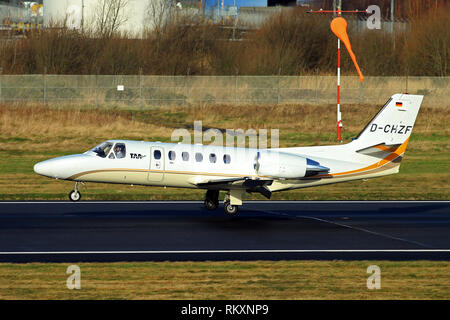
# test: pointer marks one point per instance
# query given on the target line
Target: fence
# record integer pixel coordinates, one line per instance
(142, 91)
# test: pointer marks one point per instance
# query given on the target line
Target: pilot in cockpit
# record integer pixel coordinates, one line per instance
(118, 150)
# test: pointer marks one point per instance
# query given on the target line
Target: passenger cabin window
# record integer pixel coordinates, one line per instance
(226, 158)
(119, 150)
(185, 156)
(157, 154)
(103, 149)
(212, 158)
(172, 155)
(198, 157)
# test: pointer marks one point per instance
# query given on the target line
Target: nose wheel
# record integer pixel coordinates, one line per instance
(75, 195)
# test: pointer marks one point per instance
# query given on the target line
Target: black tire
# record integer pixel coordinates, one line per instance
(212, 199)
(74, 196)
(230, 209)
(211, 204)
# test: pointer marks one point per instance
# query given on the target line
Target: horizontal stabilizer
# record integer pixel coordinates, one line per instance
(380, 150)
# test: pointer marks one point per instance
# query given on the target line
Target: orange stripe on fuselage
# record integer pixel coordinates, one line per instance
(400, 150)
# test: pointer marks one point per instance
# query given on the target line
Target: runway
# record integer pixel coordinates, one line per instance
(184, 230)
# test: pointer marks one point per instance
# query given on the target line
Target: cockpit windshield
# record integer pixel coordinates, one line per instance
(102, 149)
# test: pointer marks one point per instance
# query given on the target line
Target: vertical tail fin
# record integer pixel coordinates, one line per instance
(392, 125)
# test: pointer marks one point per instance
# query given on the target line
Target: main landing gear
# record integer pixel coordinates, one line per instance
(212, 202)
(230, 209)
(212, 199)
(75, 195)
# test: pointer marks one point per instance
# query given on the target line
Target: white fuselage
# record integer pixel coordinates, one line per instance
(140, 167)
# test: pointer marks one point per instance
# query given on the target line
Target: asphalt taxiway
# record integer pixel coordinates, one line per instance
(184, 230)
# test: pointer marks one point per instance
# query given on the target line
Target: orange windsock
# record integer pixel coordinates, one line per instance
(339, 28)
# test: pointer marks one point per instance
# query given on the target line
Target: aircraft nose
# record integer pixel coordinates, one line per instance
(43, 168)
(62, 167)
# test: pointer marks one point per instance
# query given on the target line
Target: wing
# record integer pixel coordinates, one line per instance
(250, 185)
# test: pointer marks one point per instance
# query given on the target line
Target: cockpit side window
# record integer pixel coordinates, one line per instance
(103, 149)
(119, 150)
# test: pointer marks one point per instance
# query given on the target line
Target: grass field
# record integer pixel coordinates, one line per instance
(228, 280)
(32, 133)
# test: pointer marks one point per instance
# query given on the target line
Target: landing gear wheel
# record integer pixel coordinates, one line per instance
(210, 204)
(212, 199)
(229, 208)
(74, 195)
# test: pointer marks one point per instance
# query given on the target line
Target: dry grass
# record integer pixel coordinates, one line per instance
(228, 280)
(76, 128)
(307, 118)
(63, 128)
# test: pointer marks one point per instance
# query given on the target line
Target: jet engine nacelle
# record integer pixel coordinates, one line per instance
(280, 165)
(286, 166)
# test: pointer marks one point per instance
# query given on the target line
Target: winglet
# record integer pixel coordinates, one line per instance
(339, 28)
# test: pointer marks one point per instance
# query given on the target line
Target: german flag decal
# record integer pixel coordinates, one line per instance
(399, 104)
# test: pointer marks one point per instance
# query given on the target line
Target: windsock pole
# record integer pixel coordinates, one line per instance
(339, 116)
(339, 28)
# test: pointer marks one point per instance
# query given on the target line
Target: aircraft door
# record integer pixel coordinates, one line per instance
(156, 172)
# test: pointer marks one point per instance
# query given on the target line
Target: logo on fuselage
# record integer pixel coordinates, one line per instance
(137, 156)
(391, 128)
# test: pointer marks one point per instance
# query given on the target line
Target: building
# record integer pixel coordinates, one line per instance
(250, 13)
(132, 17)
(13, 13)
(235, 3)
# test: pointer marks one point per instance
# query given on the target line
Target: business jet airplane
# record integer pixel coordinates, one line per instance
(377, 151)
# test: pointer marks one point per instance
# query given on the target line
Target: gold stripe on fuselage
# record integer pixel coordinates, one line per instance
(230, 175)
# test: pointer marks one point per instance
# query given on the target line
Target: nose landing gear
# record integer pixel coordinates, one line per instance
(75, 195)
